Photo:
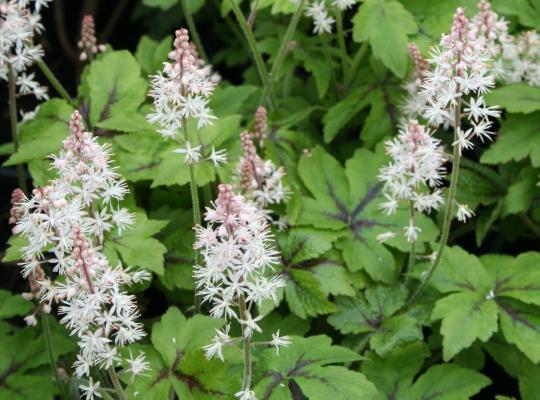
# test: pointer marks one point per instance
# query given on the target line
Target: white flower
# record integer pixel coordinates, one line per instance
(192, 154)
(383, 237)
(19, 25)
(221, 339)
(411, 232)
(246, 395)
(343, 4)
(280, 341)
(321, 20)
(90, 390)
(137, 366)
(65, 224)
(413, 175)
(31, 320)
(218, 157)
(464, 213)
(250, 325)
(181, 91)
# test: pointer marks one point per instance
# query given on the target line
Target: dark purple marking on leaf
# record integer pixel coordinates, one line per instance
(372, 192)
(516, 316)
(189, 381)
(352, 219)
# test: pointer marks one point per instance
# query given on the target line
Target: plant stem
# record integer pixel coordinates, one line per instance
(450, 200)
(195, 205)
(412, 253)
(50, 352)
(280, 56)
(13, 124)
(193, 29)
(259, 62)
(246, 382)
(116, 384)
(253, 14)
(341, 42)
(55, 82)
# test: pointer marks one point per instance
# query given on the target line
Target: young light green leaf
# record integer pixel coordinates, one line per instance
(448, 382)
(462, 309)
(304, 365)
(43, 135)
(386, 24)
(516, 98)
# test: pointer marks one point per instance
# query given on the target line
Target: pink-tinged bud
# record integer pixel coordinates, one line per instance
(15, 213)
(421, 66)
(88, 43)
(260, 126)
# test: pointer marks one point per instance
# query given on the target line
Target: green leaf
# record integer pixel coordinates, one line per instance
(518, 278)
(321, 71)
(373, 312)
(177, 361)
(448, 382)
(137, 247)
(386, 25)
(519, 138)
(520, 194)
(13, 252)
(528, 12)
(458, 271)
(150, 54)
(116, 86)
(24, 363)
(517, 98)
(304, 295)
(392, 381)
(520, 324)
(44, 134)
(305, 364)
(468, 309)
(163, 4)
(342, 112)
(231, 99)
(12, 305)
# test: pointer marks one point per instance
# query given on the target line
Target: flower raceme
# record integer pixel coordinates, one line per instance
(455, 85)
(20, 21)
(88, 43)
(260, 180)
(414, 174)
(182, 91)
(238, 254)
(64, 224)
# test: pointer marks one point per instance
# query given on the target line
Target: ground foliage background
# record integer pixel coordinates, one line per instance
(475, 333)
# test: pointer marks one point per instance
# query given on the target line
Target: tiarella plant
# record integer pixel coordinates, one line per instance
(348, 210)
(65, 223)
(238, 256)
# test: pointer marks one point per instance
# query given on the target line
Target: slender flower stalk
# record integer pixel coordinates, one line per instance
(13, 124)
(413, 175)
(53, 80)
(65, 224)
(246, 30)
(454, 92)
(238, 253)
(280, 56)
(181, 93)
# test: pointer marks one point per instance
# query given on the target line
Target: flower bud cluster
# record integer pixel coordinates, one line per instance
(88, 43)
(181, 91)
